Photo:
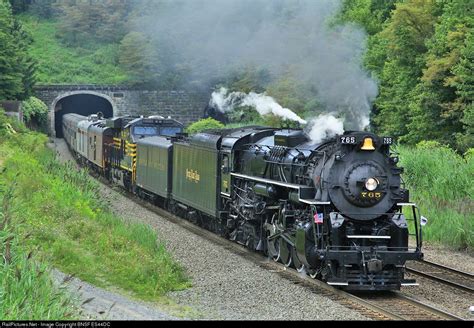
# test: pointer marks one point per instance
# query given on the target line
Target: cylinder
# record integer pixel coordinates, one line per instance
(264, 190)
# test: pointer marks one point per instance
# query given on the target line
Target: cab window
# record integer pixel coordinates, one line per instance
(145, 130)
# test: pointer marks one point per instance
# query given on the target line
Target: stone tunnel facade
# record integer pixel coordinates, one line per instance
(184, 106)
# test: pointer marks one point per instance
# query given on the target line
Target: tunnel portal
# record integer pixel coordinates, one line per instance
(82, 104)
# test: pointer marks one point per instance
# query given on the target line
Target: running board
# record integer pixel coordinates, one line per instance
(336, 283)
(409, 282)
(368, 237)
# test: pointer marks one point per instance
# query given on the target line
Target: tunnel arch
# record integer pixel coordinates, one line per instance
(80, 102)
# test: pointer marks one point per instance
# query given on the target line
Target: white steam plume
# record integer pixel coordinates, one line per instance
(262, 103)
(324, 126)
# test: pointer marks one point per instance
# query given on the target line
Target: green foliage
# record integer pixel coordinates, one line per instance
(44, 8)
(17, 68)
(3, 123)
(35, 110)
(423, 57)
(440, 182)
(92, 21)
(19, 6)
(291, 93)
(248, 79)
(204, 124)
(368, 13)
(400, 48)
(9, 126)
(60, 64)
(245, 115)
(442, 100)
(286, 90)
(75, 231)
(139, 59)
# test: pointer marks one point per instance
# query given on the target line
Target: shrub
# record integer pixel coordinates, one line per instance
(35, 112)
(204, 124)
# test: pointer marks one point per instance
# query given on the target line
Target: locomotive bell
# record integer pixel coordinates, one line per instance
(368, 144)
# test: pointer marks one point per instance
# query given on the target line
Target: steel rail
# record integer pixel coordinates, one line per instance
(438, 276)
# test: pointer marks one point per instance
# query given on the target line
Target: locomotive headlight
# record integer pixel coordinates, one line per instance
(371, 184)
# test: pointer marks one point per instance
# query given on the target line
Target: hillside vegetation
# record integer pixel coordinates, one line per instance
(57, 64)
(51, 214)
(441, 184)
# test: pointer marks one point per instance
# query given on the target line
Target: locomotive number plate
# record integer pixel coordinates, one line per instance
(375, 195)
(387, 140)
(348, 140)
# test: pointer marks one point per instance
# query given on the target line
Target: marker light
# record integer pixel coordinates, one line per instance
(371, 184)
(423, 221)
(368, 144)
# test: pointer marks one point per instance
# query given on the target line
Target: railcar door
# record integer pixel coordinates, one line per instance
(226, 167)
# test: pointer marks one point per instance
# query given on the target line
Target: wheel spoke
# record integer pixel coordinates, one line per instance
(274, 249)
(299, 266)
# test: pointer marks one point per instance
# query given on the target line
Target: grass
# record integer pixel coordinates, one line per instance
(71, 229)
(26, 289)
(59, 64)
(441, 182)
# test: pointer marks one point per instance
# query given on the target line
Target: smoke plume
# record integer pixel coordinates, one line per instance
(209, 39)
(262, 103)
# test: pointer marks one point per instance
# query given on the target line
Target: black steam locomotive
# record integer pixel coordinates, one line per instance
(333, 210)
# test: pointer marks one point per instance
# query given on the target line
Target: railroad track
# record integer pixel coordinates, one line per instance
(443, 274)
(378, 306)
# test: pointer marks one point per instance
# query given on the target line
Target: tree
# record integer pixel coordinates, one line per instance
(464, 71)
(43, 8)
(25, 62)
(445, 91)
(17, 68)
(139, 59)
(86, 22)
(371, 14)
(400, 49)
(19, 6)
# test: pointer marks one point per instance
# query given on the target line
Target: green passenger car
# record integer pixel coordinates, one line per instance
(154, 169)
(196, 174)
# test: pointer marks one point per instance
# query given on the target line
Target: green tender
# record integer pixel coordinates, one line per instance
(153, 165)
(195, 177)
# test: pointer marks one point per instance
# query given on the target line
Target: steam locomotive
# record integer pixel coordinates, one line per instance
(333, 210)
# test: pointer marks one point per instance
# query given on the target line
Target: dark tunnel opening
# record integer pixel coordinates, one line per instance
(82, 104)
